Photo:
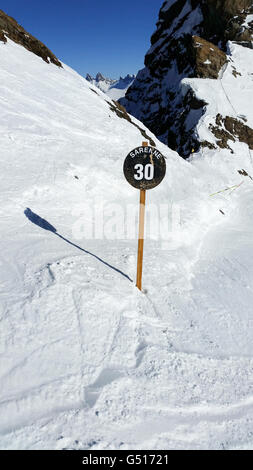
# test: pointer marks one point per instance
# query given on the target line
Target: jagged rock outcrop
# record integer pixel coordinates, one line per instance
(9, 28)
(190, 41)
(118, 109)
(228, 128)
(103, 83)
(208, 59)
(225, 20)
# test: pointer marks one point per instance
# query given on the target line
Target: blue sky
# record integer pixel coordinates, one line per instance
(111, 37)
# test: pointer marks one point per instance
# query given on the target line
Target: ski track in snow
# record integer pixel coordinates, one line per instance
(87, 361)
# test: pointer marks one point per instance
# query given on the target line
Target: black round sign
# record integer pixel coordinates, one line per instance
(144, 168)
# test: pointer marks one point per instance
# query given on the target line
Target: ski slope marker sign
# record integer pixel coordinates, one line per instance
(144, 167)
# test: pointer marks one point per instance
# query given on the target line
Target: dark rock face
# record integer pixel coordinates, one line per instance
(223, 20)
(208, 59)
(190, 41)
(2, 37)
(229, 128)
(9, 28)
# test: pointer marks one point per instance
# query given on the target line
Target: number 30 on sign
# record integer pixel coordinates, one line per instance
(144, 172)
(144, 167)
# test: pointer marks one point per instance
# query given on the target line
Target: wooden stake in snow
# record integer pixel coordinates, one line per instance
(144, 168)
(141, 233)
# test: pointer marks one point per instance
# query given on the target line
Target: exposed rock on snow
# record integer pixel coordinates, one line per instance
(208, 59)
(9, 28)
(229, 128)
(190, 41)
(120, 111)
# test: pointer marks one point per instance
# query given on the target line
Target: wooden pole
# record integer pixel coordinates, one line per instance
(141, 239)
(141, 234)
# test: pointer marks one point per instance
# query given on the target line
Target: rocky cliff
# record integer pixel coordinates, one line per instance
(190, 41)
(9, 28)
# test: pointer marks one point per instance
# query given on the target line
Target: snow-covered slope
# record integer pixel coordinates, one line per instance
(87, 361)
(115, 89)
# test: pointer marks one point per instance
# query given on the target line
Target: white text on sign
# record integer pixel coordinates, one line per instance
(144, 172)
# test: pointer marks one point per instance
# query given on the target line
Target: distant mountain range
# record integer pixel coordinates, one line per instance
(116, 89)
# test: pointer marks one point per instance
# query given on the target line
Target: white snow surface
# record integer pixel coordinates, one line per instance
(249, 19)
(88, 361)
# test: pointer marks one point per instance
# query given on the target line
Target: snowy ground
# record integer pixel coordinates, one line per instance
(87, 361)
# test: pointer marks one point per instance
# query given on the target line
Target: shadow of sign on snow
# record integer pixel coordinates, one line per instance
(42, 223)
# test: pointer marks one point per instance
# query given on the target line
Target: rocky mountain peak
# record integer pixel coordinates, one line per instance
(100, 77)
(89, 77)
(190, 41)
(9, 28)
